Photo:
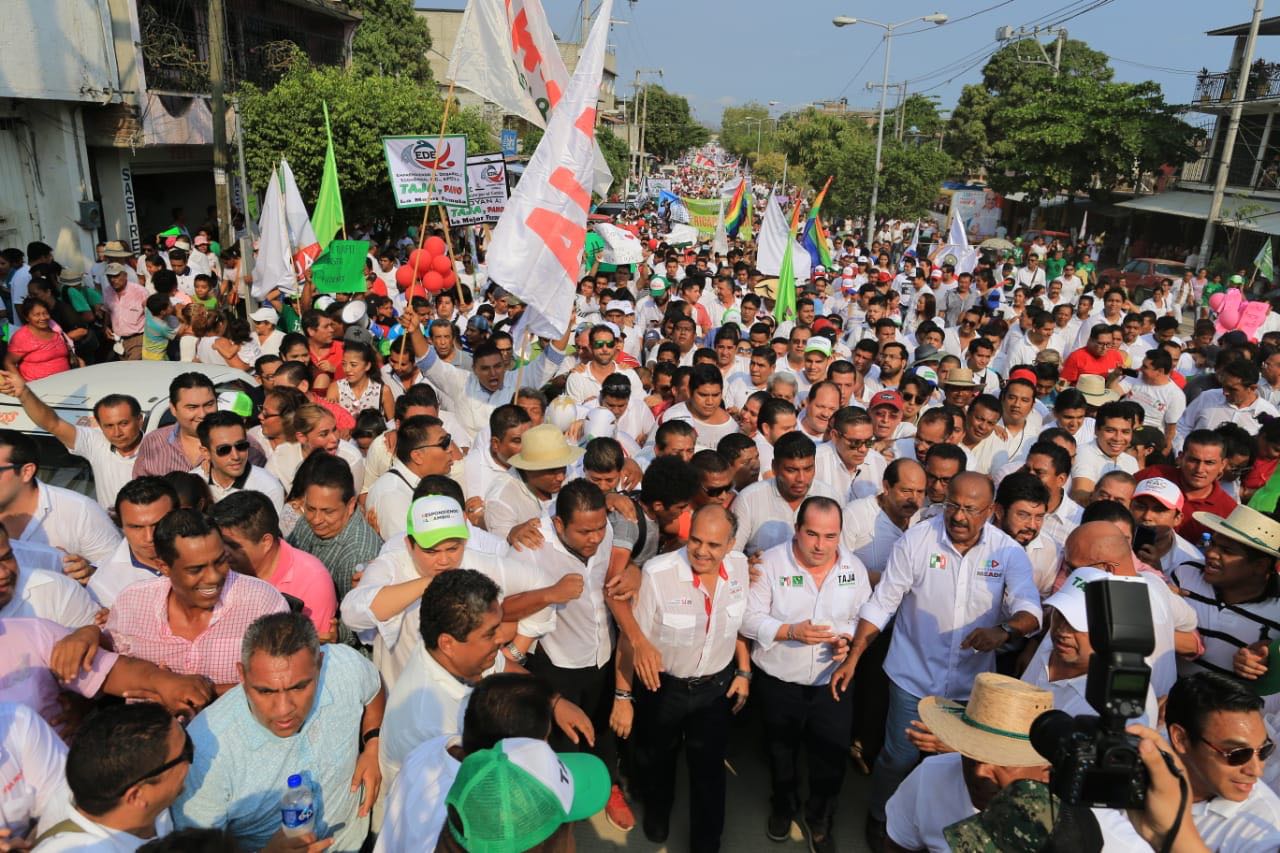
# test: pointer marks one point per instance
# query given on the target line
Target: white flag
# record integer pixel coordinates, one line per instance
(720, 242)
(273, 269)
(506, 52)
(1084, 228)
(536, 249)
(957, 237)
(772, 243)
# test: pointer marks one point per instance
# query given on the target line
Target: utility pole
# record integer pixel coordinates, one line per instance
(644, 121)
(899, 111)
(1009, 34)
(218, 109)
(1229, 141)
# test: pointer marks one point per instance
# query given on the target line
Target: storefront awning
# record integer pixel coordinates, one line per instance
(1251, 214)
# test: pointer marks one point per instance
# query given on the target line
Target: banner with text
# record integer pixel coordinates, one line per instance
(486, 191)
(411, 162)
(341, 268)
(703, 214)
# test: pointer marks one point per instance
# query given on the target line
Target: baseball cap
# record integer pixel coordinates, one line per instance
(1069, 599)
(1161, 490)
(817, 343)
(819, 269)
(235, 401)
(885, 398)
(657, 285)
(435, 518)
(479, 322)
(114, 269)
(265, 314)
(600, 423)
(619, 305)
(937, 273)
(1029, 375)
(847, 272)
(200, 240)
(516, 795)
(322, 303)
(884, 276)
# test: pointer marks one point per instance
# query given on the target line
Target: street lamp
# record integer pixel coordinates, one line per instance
(938, 18)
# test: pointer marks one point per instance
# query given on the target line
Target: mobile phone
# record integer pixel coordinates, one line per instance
(1143, 535)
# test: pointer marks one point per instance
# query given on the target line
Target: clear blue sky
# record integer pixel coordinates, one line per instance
(728, 52)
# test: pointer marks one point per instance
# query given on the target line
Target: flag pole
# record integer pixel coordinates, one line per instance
(448, 245)
(431, 185)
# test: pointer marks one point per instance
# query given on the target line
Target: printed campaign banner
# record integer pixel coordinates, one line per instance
(413, 160)
(486, 191)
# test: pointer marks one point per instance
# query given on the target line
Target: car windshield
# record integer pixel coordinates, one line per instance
(1135, 266)
(1170, 269)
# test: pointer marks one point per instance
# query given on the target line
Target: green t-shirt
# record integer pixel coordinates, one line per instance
(81, 299)
(210, 302)
(1053, 267)
(593, 247)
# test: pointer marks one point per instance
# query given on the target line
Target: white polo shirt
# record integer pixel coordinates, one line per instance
(33, 759)
(785, 593)
(1092, 464)
(117, 573)
(765, 519)
(480, 470)
(582, 632)
(1251, 826)
(50, 595)
(110, 469)
(864, 480)
(415, 803)
(940, 596)
(71, 522)
(695, 632)
(982, 456)
(1059, 523)
(96, 837)
(869, 532)
(509, 502)
(1045, 556)
(1249, 417)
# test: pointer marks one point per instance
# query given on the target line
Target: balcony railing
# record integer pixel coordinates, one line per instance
(1221, 87)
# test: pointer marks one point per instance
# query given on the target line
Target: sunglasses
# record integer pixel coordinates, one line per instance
(1241, 756)
(859, 443)
(443, 444)
(185, 757)
(716, 491)
(602, 344)
(914, 398)
(225, 449)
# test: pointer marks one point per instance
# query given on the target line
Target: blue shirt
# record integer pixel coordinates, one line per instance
(241, 769)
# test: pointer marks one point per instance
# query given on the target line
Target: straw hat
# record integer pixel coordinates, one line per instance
(1095, 390)
(545, 447)
(995, 726)
(960, 377)
(117, 249)
(1246, 526)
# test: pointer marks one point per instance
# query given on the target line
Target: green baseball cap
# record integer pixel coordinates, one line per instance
(657, 285)
(516, 795)
(236, 401)
(1020, 817)
(435, 518)
(1236, 279)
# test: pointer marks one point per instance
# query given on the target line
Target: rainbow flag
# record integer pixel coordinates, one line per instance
(736, 213)
(814, 238)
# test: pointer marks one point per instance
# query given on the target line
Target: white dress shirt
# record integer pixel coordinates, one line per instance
(389, 498)
(71, 522)
(509, 502)
(1210, 416)
(480, 470)
(255, 479)
(765, 519)
(1092, 464)
(33, 759)
(415, 804)
(869, 532)
(92, 836)
(461, 393)
(110, 470)
(50, 595)
(695, 632)
(940, 596)
(866, 479)
(1251, 826)
(1069, 693)
(785, 594)
(1059, 523)
(1045, 556)
(583, 387)
(120, 571)
(582, 632)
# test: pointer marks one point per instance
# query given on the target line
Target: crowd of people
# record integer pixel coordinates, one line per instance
(465, 588)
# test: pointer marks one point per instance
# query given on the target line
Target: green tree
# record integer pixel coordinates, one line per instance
(743, 128)
(1042, 134)
(919, 112)
(670, 128)
(391, 40)
(286, 121)
(769, 169)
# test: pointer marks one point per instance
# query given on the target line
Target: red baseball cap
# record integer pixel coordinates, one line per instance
(1028, 375)
(886, 398)
(884, 276)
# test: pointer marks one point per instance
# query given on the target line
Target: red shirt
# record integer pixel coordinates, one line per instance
(333, 355)
(1082, 361)
(1218, 501)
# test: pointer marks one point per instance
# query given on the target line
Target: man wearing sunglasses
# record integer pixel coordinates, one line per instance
(226, 467)
(1216, 728)
(422, 449)
(586, 380)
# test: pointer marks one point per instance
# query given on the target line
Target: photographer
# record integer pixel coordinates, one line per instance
(1216, 729)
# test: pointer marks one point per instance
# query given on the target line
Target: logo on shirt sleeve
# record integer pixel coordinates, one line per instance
(937, 561)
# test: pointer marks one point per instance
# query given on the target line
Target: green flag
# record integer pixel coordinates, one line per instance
(328, 214)
(784, 303)
(1263, 263)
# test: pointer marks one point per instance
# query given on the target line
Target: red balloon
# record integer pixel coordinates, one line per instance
(441, 264)
(405, 276)
(436, 246)
(433, 282)
(419, 261)
(450, 278)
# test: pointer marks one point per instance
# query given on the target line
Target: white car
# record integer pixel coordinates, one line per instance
(73, 393)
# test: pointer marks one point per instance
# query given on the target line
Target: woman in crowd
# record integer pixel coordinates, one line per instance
(39, 348)
(358, 390)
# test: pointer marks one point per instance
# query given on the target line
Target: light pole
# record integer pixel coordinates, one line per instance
(938, 18)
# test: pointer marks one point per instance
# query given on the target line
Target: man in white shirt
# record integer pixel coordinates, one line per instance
(1032, 275)
(1237, 402)
(1113, 433)
(1157, 505)
(800, 615)
(1216, 728)
(111, 448)
(487, 461)
(766, 510)
(847, 462)
(126, 766)
(33, 782)
(981, 444)
(873, 524)
(583, 384)
(422, 449)
(1162, 401)
(1050, 462)
(226, 467)
(535, 476)
(959, 588)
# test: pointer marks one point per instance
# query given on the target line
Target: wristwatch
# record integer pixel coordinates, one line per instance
(1010, 630)
(369, 735)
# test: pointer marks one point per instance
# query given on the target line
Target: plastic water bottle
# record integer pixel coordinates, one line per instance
(297, 808)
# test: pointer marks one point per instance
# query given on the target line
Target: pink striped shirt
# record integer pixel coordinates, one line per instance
(139, 626)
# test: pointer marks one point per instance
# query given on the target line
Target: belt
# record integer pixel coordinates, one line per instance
(697, 681)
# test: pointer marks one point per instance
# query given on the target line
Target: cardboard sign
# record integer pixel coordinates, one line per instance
(486, 191)
(341, 268)
(413, 160)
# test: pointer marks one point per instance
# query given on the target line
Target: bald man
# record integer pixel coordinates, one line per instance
(1104, 545)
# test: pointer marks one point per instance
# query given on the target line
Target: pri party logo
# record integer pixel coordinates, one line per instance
(493, 173)
(422, 154)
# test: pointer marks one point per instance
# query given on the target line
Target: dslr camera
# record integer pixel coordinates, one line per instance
(1095, 762)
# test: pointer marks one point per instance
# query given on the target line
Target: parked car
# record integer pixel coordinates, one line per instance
(1141, 275)
(73, 393)
(610, 208)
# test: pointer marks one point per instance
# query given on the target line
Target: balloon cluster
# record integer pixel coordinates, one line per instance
(429, 267)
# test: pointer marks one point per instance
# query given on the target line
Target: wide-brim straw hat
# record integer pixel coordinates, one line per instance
(1095, 390)
(995, 727)
(545, 447)
(1246, 526)
(960, 377)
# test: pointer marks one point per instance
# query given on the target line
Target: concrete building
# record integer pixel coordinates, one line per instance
(102, 142)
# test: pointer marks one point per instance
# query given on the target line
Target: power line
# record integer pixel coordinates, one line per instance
(961, 18)
(1186, 71)
(860, 68)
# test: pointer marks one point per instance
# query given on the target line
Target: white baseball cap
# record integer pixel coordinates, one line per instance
(619, 305)
(1069, 600)
(265, 314)
(600, 423)
(1162, 490)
